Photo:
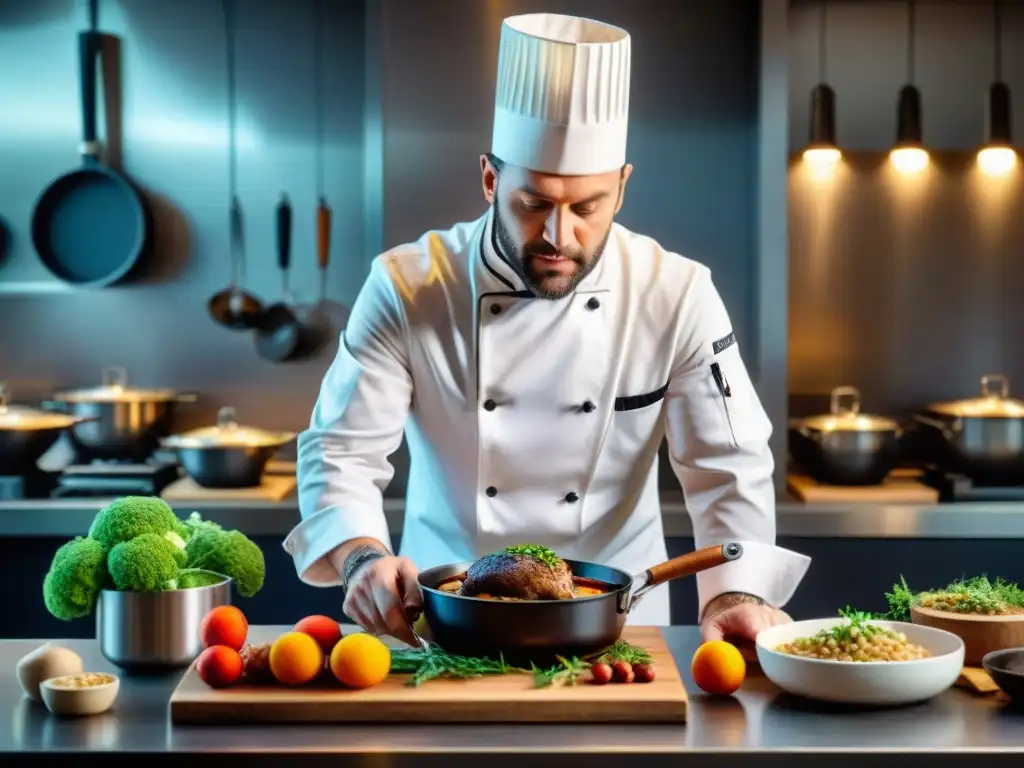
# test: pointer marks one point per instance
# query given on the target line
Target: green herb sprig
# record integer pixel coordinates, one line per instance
(543, 554)
(978, 596)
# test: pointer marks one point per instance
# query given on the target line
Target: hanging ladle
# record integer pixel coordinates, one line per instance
(279, 331)
(234, 307)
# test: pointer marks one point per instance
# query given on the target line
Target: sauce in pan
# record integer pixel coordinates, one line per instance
(584, 587)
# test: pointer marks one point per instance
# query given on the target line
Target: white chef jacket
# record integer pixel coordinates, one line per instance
(531, 420)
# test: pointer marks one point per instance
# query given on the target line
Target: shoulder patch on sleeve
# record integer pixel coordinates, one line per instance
(724, 343)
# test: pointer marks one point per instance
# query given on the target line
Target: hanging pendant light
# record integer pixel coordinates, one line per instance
(909, 154)
(997, 157)
(822, 149)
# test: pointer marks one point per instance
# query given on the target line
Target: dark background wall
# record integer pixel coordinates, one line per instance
(904, 287)
(407, 117)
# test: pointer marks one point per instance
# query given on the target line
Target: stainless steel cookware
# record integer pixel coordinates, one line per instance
(226, 455)
(981, 438)
(845, 446)
(524, 631)
(27, 433)
(125, 423)
(154, 632)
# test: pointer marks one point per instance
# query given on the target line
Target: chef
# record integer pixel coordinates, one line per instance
(534, 360)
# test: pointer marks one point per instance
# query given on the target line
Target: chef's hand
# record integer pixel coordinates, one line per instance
(738, 620)
(383, 597)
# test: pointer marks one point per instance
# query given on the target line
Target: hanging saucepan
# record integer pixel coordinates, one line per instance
(981, 438)
(524, 631)
(845, 447)
(226, 455)
(27, 433)
(125, 423)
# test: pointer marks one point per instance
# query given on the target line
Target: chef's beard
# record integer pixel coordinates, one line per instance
(541, 282)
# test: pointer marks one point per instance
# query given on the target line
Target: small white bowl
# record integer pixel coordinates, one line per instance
(875, 683)
(63, 698)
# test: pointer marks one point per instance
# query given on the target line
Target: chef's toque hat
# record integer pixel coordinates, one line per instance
(562, 97)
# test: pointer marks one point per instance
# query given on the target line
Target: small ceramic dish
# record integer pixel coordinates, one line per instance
(872, 683)
(88, 693)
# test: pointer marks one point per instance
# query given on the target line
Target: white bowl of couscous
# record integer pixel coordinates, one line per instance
(853, 659)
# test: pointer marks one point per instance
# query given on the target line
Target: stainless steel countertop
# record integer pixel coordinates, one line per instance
(758, 719)
(978, 520)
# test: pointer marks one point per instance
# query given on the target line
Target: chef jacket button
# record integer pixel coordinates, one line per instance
(587, 407)
(490, 405)
(495, 309)
(571, 497)
(593, 303)
(492, 491)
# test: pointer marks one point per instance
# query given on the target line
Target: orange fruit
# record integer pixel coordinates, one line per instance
(296, 658)
(360, 661)
(325, 630)
(224, 625)
(718, 668)
(219, 666)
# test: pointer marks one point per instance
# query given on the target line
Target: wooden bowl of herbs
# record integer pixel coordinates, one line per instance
(988, 615)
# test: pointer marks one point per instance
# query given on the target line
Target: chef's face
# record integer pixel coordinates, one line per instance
(552, 229)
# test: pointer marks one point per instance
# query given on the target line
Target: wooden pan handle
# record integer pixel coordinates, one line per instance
(323, 234)
(692, 562)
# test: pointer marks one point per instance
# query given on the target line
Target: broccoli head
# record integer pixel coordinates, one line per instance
(77, 574)
(231, 553)
(147, 563)
(131, 516)
(191, 579)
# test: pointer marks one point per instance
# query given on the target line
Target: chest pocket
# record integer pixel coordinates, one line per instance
(634, 435)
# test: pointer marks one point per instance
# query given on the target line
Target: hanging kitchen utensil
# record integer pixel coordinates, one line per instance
(226, 455)
(845, 447)
(279, 330)
(534, 630)
(91, 226)
(234, 307)
(981, 438)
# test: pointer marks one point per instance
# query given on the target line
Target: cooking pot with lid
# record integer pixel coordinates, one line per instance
(981, 438)
(124, 423)
(226, 455)
(27, 433)
(845, 446)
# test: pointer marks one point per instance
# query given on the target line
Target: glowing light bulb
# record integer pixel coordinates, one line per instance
(822, 155)
(909, 159)
(997, 161)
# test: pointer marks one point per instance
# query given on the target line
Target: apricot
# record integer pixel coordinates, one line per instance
(219, 666)
(360, 661)
(718, 668)
(325, 630)
(296, 658)
(224, 625)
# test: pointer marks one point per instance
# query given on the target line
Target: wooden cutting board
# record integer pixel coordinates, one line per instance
(271, 488)
(496, 699)
(897, 488)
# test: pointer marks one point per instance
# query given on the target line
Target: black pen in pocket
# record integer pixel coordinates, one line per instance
(723, 385)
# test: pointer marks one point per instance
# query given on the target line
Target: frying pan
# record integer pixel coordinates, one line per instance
(525, 631)
(90, 226)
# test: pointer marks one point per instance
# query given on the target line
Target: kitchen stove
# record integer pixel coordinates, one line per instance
(953, 487)
(99, 478)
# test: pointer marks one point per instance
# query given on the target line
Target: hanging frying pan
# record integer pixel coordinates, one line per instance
(90, 226)
(279, 331)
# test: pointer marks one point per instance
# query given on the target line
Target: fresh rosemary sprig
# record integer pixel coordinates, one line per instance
(566, 672)
(623, 651)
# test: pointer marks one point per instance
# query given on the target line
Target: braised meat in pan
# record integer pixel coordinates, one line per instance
(527, 572)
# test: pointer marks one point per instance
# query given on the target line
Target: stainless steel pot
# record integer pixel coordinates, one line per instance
(845, 447)
(27, 433)
(981, 438)
(124, 423)
(226, 455)
(155, 632)
(524, 631)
